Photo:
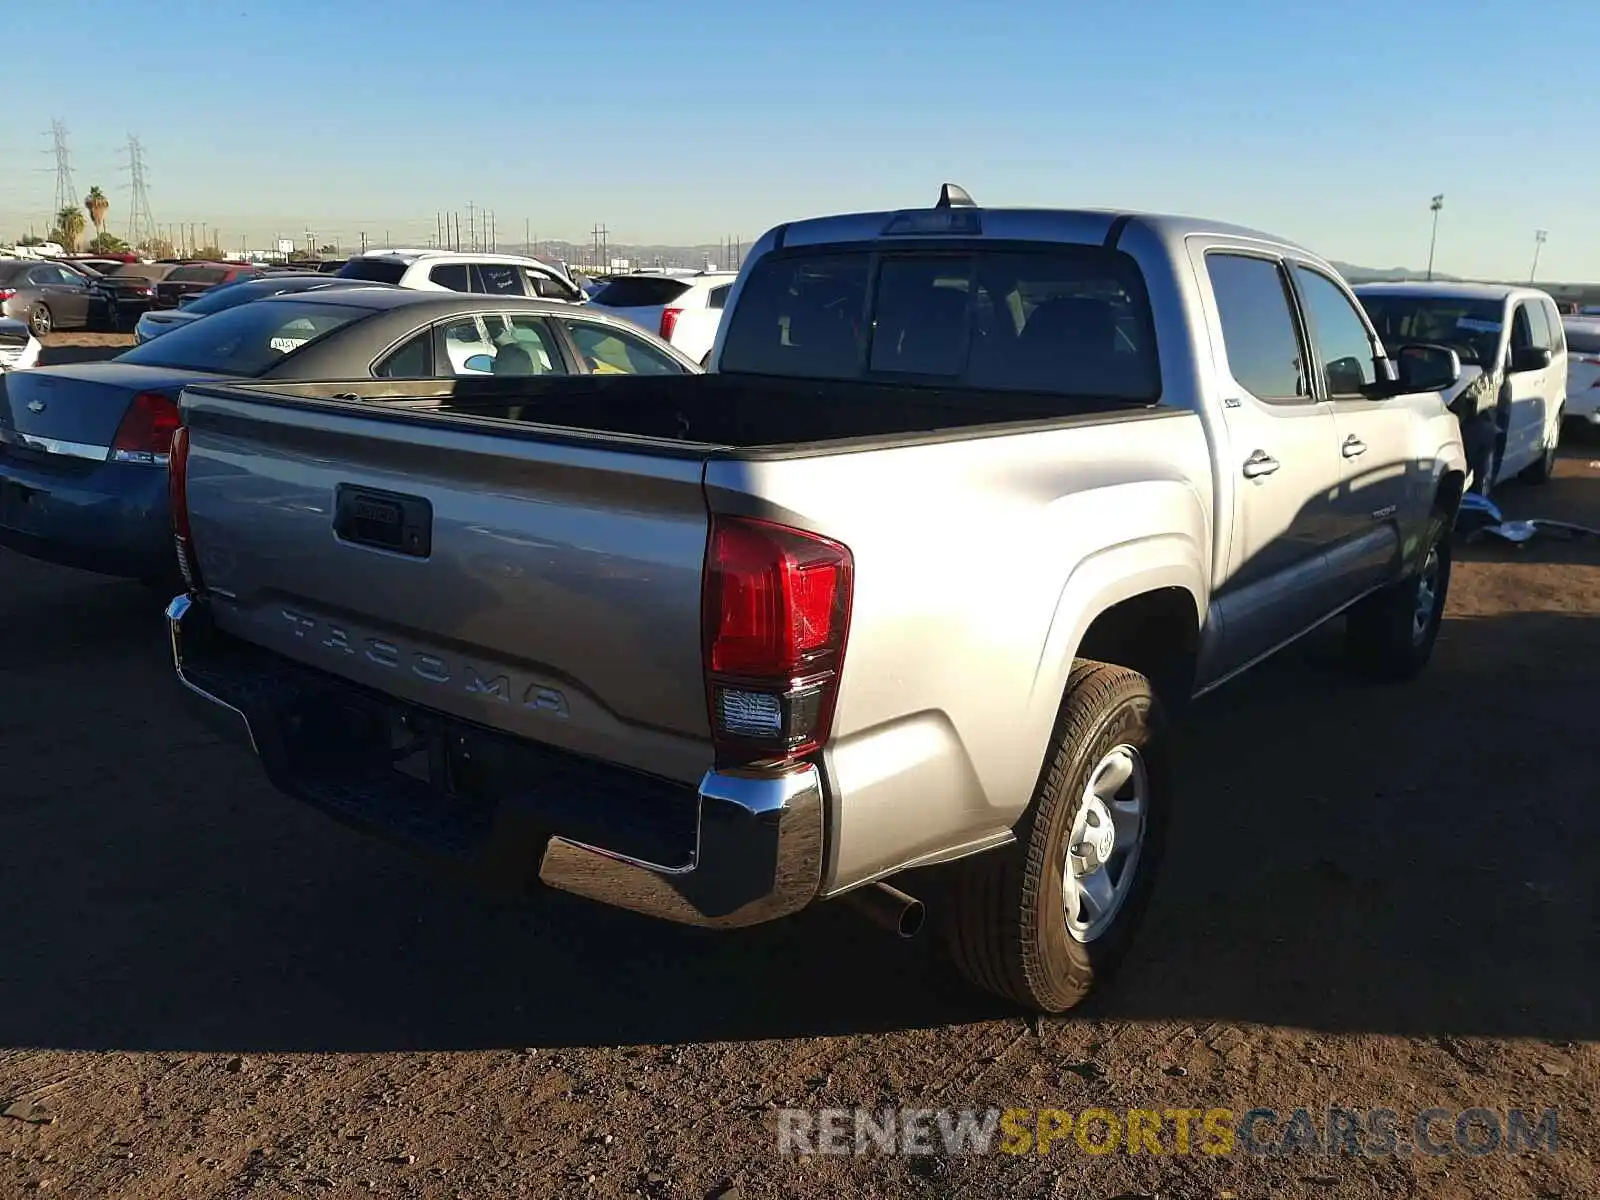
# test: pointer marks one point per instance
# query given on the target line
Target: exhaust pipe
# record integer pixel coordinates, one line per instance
(900, 914)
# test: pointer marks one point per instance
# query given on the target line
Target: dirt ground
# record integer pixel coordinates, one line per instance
(1374, 898)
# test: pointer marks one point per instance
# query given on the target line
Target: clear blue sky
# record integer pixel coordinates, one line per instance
(688, 120)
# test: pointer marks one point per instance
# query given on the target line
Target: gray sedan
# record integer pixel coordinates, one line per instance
(83, 448)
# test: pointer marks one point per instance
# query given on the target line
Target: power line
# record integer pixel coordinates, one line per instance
(141, 225)
(66, 191)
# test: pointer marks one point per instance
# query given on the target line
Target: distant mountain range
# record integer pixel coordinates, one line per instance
(1357, 274)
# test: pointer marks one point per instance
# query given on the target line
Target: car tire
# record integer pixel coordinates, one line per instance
(1390, 635)
(1008, 927)
(1541, 471)
(40, 322)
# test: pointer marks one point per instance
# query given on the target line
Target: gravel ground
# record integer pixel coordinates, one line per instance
(1374, 898)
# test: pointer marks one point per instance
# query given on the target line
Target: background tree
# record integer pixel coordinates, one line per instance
(69, 229)
(107, 243)
(96, 204)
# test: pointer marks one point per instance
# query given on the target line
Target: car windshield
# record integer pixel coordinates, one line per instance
(640, 291)
(249, 339)
(374, 270)
(230, 295)
(1469, 327)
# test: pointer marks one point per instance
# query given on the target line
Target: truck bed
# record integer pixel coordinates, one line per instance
(699, 412)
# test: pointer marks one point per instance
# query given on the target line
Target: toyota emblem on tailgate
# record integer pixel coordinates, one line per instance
(36, 406)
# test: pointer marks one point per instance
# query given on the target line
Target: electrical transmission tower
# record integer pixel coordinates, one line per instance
(141, 225)
(66, 192)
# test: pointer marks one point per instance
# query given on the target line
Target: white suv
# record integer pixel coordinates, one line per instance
(684, 309)
(453, 271)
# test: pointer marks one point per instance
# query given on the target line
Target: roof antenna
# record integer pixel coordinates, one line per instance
(953, 195)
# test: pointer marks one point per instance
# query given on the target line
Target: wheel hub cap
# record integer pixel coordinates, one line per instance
(1103, 847)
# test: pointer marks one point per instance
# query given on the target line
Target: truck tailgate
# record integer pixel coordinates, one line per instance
(548, 588)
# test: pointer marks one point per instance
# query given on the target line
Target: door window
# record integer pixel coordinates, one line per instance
(523, 345)
(609, 351)
(452, 276)
(496, 279)
(412, 359)
(1258, 328)
(1538, 326)
(1343, 345)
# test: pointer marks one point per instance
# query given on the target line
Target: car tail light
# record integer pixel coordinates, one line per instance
(145, 435)
(178, 498)
(776, 614)
(669, 322)
(7, 294)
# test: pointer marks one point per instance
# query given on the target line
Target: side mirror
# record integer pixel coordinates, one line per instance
(483, 364)
(1427, 368)
(1529, 358)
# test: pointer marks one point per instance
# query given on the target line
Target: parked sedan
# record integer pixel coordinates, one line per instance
(228, 295)
(46, 295)
(128, 291)
(192, 279)
(83, 448)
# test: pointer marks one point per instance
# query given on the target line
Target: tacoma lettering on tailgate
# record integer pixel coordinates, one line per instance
(429, 667)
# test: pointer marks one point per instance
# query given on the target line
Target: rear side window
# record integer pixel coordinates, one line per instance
(1258, 328)
(373, 270)
(719, 296)
(1343, 345)
(633, 291)
(1071, 321)
(497, 279)
(451, 275)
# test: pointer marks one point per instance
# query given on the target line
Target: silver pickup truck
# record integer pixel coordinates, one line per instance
(972, 498)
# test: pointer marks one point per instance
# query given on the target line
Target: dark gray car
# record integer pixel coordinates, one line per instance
(46, 295)
(84, 448)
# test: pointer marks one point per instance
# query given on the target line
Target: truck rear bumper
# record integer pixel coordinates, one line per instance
(742, 848)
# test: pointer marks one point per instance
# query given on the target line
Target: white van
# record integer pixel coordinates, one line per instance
(1513, 350)
(1583, 369)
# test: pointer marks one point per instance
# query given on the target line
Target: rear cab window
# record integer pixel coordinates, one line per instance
(1056, 319)
(632, 291)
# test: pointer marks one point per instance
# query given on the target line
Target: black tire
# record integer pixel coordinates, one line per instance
(1541, 471)
(1386, 639)
(1006, 925)
(40, 322)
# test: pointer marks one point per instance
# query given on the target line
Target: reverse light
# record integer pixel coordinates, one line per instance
(669, 322)
(776, 613)
(145, 435)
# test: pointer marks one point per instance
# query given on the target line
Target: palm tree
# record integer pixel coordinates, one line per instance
(97, 204)
(69, 222)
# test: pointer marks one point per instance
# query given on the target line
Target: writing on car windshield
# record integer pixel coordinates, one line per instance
(248, 340)
(1469, 327)
(1071, 321)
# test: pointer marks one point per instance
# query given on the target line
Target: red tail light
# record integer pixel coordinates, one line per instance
(145, 435)
(178, 498)
(776, 613)
(669, 322)
(7, 294)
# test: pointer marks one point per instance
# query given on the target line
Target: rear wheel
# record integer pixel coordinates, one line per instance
(40, 322)
(1043, 921)
(1390, 635)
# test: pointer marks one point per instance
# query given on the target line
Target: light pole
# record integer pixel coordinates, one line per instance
(1434, 206)
(1538, 242)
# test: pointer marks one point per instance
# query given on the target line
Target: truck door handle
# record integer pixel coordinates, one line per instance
(1353, 447)
(1258, 464)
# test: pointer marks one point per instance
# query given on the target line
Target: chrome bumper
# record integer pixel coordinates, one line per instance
(756, 854)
